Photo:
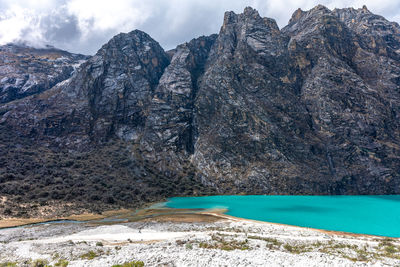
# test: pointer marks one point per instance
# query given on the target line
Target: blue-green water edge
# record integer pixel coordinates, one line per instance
(373, 215)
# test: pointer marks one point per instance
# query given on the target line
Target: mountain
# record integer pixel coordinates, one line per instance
(26, 71)
(312, 108)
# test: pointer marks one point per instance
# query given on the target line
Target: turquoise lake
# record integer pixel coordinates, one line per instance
(374, 215)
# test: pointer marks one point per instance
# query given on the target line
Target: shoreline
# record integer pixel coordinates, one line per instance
(84, 217)
(152, 212)
(330, 232)
(192, 238)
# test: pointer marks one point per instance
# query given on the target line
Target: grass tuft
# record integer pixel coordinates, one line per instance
(89, 255)
(130, 264)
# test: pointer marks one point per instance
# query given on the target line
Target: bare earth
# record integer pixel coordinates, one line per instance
(201, 239)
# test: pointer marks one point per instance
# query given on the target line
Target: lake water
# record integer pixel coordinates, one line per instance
(374, 215)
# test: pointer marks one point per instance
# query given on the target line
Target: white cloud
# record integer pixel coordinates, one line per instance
(84, 25)
(17, 20)
(95, 15)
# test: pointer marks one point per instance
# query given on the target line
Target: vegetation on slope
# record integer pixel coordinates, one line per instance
(40, 181)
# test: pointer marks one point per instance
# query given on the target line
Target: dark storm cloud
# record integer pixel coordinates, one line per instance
(85, 25)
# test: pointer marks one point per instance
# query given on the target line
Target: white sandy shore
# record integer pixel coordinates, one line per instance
(182, 244)
(115, 234)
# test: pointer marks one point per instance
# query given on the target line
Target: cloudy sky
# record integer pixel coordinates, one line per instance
(84, 25)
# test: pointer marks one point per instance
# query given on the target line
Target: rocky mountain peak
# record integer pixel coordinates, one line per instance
(321, 33)
(118, 83)
(108, 95)
(313, 13)
(136, 47)
(383, 35)
(296, 15)
(25, 70)
(313, 108)
(248, 29)
(354, 15)
(313, 16)
(250, 17)
(319, 9)
(250, 12)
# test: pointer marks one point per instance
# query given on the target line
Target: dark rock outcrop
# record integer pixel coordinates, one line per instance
(352, 111)
(75, 143)
(117, 85)
(26, 71)
(312, 108)
(107, 96)
(170, 128)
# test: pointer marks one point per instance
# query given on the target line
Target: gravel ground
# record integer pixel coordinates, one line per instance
(230, 242)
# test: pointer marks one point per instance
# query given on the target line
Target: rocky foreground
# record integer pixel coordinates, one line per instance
(191, 241)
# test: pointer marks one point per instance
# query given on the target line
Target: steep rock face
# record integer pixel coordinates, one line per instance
(352, 113)
(108, 95)
(372, 32)
(73, 148)
(170, 128)
(26, 71)
(118, 83)
(249, 118)
(312, 108)
(297, 111)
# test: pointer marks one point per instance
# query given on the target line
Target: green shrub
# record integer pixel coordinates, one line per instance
(40, 263)
(89, 255)
(220, 243)
(391, 249)
(61, 263)
(272, 242)
(297, 249)
(130, 264)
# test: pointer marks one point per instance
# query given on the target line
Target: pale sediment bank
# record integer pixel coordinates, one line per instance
(14, 222)
(197, 240)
